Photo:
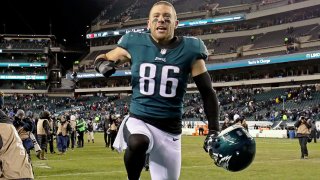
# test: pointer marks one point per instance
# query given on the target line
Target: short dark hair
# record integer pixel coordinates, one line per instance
(164, 3)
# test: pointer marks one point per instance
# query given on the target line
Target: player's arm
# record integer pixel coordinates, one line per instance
(210, 101)
(106, 63)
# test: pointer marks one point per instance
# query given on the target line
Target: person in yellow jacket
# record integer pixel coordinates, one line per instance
(81, 128)
(11, 146)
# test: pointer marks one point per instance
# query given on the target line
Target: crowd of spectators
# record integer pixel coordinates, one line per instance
(23, 84)
(23, 43)
(283, 18)
(27, 58)
(256, 104)
(243, 102)
(289, 39)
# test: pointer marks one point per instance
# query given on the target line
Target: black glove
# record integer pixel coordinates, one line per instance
(105, 67)
(211, 137)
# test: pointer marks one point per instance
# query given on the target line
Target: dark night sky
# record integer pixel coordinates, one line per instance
(69, 18)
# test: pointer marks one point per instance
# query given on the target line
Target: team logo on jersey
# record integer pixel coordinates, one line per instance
(163, 51)
(160, 59)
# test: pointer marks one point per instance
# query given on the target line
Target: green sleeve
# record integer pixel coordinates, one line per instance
(203, 51)
(123, 41)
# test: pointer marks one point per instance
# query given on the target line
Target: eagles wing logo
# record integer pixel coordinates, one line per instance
(224, 162)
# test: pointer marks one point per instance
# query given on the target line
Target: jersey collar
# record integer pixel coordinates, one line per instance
(175, 42)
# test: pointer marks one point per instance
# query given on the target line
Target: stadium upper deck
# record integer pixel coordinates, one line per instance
(230, 44)
(27, 63)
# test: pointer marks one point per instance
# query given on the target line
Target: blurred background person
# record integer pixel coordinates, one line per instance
(24, 126)
(81, 128)
(73, 133)
(52, 122)
(106, 130)
(43, 130)
(303, 133)
(64, 128)
(90, 131)
(226, 123)
(113, 130)
(314, 131)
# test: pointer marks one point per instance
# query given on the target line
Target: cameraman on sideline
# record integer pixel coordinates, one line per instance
(12, 152)
(24, 127)
(303, 132)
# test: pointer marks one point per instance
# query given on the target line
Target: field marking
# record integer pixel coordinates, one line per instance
(54, 160)
(41, 165)
(183, 167)
(77, 174)
(288, 160)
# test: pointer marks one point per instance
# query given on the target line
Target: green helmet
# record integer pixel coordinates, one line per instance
(233, 149)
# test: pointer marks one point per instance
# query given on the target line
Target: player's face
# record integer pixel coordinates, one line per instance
(162, 22)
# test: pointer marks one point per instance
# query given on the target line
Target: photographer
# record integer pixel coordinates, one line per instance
(303, 132)
(242, 122)
(64, 129)
(12, 152)
(24, 126)
(43, 130)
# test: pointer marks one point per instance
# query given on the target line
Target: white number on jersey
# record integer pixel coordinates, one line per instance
(165, 82)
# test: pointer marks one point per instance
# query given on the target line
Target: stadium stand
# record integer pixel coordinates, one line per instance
(254, 91)
(27, 63)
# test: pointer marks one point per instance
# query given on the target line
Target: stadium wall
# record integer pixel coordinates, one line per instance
(281, 9)
(253, 132)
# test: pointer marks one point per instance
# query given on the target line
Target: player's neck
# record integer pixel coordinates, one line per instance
(173, 42)
(164, 42)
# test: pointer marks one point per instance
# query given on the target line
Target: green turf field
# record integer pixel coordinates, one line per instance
(276, 159)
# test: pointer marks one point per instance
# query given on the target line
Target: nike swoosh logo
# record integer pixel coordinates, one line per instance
(175, 139)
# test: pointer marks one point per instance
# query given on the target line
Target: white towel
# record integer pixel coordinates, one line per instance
(119, 143)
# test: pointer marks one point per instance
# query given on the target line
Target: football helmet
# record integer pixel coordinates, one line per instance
(233, 149)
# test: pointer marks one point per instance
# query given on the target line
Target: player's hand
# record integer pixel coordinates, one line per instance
(211, 137)
(105, 67)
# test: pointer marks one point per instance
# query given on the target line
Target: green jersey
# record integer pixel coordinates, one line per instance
(160, 75)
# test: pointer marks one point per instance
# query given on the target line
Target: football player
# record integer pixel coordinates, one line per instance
(161, 64)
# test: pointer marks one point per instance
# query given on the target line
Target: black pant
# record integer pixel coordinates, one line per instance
(201, 131)
(303, 145)
(106, 138)
(42, 141)
(50, 141)
(28, 145)
(73, 138)
(80, 139)
(314, 135)
(113, 135)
